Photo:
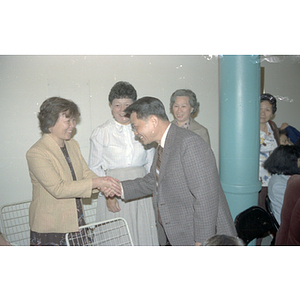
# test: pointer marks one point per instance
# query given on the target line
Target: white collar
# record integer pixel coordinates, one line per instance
(163, 139)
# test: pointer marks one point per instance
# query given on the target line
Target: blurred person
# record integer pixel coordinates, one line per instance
(184, 105)
(288, 233)
(284, 140)
(188, 199)
(292, 133)
(115, 152)
(224, 240)
(60, 176)
(269, 140)
(282, 164)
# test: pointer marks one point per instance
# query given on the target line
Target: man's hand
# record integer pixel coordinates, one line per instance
(109, 186)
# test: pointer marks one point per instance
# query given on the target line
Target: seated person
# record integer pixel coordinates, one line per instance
(282, 163)
(289, 230)
(284, 140)
(292, 133)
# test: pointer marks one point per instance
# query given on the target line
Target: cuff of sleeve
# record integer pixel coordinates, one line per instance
(122, 191)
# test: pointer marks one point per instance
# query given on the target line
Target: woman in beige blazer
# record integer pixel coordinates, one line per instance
(183, 105)
(60, 176)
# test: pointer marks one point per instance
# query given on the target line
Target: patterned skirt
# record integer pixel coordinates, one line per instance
(57, 239)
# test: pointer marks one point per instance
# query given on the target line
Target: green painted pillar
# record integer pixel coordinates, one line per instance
(239, 130)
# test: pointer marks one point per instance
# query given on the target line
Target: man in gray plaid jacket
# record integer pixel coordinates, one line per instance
(188, 200)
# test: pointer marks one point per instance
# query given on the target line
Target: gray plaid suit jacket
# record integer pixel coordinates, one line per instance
(190, 198)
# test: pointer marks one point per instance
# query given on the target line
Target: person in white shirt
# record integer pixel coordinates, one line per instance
(115, 152)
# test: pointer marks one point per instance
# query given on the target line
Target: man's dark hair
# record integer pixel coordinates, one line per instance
(122, 89)
(147, 106)
(283, 160)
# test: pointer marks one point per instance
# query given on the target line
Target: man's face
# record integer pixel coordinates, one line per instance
(143, 129)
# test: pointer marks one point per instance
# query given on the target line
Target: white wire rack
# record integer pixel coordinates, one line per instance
(114, 232)
(15, 223)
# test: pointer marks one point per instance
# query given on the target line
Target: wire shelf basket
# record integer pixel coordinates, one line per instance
(114, 232)
(15, 223)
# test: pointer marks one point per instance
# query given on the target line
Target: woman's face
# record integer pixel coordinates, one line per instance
(182, 109)
(117, 108)
(265, 111)
(63, 128)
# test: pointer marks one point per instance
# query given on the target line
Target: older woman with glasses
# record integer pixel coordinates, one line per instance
(184, 105)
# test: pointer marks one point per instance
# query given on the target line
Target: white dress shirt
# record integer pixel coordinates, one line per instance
(113, 145)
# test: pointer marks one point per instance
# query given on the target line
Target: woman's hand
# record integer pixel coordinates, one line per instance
(112, 205)
(110, 186)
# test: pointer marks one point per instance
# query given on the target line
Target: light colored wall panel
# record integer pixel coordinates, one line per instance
(26, 81)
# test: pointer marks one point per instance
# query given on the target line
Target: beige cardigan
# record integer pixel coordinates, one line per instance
(198, 129)
(53, 206)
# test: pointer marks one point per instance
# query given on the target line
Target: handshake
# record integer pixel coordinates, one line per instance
(109, 186)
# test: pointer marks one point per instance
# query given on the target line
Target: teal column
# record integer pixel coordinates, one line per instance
(239, 130)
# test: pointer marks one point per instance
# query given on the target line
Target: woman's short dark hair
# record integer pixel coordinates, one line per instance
(271, 99)
(283, 160)
(147, 106)
(50, 110)
(122, 89)
(185, 93)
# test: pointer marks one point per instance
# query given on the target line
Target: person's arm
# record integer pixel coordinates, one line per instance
(95, 163)
(276, 195)
(42, 169)
(206, 136)
(96, 153)
(294, 230)
(139, 187)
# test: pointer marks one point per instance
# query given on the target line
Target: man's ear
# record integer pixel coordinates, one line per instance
(153, 120)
